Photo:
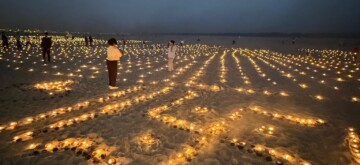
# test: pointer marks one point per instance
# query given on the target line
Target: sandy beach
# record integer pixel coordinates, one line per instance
(259, 101)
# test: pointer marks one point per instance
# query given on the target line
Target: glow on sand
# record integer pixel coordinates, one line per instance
(166, 103)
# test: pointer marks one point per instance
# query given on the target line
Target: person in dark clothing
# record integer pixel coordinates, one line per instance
(46, 44)
(124, 43)
(18, 42)
(233, 42)
(91, 40)
(27, 41)
(5, 41)
(86, 41)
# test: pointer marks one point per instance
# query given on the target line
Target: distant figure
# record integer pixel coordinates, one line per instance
(233, 42)
(182, 43)
(91, 41)
(198, 40)
(86, 41)
(293, 41)
(5, 41)
(68, 36)
(123, 44)
(46, 44)
(113, 57)
(18, 42)
(171, 55)
(27, 41)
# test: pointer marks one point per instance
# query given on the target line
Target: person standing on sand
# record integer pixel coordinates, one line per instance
(86, 41)
(124, 44)
(91, 41)
(46, 44)
(113, 57)
(27, 41)
(171, 55)
(5, 41)
(68, 36)
(18, 42)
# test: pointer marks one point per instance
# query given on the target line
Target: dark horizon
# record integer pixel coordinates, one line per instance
(239, 34)
(186, 16)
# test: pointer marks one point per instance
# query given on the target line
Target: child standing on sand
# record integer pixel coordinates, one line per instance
(171, 55)
(113, 57)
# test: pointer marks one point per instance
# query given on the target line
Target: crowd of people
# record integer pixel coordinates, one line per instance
(18, 41)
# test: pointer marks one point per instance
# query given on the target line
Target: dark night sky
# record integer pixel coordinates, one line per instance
(188, 16)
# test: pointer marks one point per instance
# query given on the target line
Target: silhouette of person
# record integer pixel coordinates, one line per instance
(28, 40)
(18, 42)
(91, 40)
(124, 43)
(86, 41)
(46, 44)
(5, 41)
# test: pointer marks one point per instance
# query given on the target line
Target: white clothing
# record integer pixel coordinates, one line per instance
(171, 52)
(113, 53)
